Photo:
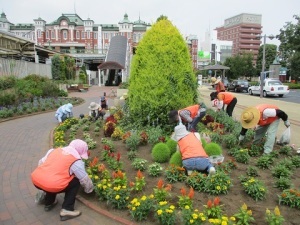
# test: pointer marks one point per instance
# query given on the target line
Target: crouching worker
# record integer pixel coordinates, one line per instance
(191, 115)
(62, 170)
(192, 152)
(64, 112)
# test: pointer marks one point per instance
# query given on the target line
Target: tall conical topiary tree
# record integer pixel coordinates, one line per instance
(161, 77)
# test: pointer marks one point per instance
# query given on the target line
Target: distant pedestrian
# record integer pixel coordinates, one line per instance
(221, 99)
(218, 84)
(62, 170)
(64, 112)
(267, 118)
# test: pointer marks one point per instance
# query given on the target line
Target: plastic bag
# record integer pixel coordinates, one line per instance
(40, 197)
(285, 137)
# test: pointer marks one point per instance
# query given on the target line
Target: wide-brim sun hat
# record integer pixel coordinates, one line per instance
(81, 147)
(250, 117)
(213, 80)
(68, 107)
(124, 96)
(180, 132)
(94, 106)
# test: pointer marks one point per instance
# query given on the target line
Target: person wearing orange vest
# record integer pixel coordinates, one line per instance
(62, 170)
(192, 152)
(267, 118)
(218, 84)
(221, 99)
(190, 116)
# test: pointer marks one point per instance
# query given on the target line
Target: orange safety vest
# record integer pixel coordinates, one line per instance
(261, 109)
(191, 147)
(53, 175)
(193, 110)
(226, 97)
(220, 87)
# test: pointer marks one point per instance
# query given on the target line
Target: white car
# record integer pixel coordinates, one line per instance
(271, 87)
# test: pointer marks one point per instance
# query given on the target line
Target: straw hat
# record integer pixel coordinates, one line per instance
(180, 132)
(94, 106)
(215, 80)
(250, 117)
(124, 96)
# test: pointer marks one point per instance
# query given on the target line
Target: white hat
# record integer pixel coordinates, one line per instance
(68, 107)
(94, 106)
(180, 132)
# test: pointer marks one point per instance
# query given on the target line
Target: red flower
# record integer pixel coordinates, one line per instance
(216, 201)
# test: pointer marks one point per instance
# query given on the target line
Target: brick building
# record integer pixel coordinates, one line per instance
(242, 30)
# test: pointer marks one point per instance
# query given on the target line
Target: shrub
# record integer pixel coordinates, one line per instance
(204, 142)
(213, 149)
(176, 159)
(155, 169)
(160, 153)
(172, 145)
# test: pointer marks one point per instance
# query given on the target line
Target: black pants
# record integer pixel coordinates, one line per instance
(70, 195)
(230, 107)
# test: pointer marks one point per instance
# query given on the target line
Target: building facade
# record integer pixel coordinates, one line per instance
(84, 39)
(243, 30)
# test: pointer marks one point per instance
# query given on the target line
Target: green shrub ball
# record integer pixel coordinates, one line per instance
(176, 159)
(160, 153)
(213, 149)
(204, 142)
(172, 145)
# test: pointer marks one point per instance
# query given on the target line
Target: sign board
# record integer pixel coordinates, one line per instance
(282, 71)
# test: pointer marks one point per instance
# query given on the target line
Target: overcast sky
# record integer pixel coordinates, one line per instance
(189, 16)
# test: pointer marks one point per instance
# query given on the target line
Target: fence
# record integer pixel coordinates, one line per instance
(21, 68)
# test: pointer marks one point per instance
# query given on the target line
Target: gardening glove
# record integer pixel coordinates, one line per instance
(287, 123)
(241, 138)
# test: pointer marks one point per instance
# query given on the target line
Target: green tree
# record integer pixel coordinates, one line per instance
(70, 67)
(289, 47)
(161, 17)
(161, 77)
(55, 68)
(270, 55)
(240, 66)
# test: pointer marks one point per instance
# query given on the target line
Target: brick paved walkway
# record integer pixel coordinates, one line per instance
(23, 142)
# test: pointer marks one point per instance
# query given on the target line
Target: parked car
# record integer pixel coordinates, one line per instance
(271, 87)
(238, 86)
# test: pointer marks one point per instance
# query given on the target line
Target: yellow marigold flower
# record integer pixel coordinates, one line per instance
(187, 207)
(115, 188)
(203, 218)
(218, 188)
(169, 211)
(133, 208)
(195, 216)
(151, 196)
(268, 211)
(109, 185)
(163, 203)
(143, 198)
(117, 197)
(133, 200)
(96, 177)
(277, 211)
(191, 221)
(104, 187)
(99, 185)
(244, 207)
(91, 176)
(172, 207)
(249, 212)
(159, 212)
(224, 218)
(124, 187)
(127, 198)
(137, 204)
(232, 218)
(224, 222)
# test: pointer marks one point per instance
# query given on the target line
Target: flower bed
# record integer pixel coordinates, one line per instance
(246, 186)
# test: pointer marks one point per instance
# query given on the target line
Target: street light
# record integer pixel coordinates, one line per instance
(262, 74)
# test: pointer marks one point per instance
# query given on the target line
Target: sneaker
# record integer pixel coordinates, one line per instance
(211, 171)
(66, 214)
(49, 207)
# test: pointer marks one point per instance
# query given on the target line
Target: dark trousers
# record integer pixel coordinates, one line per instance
(70, 195)
(230, 107)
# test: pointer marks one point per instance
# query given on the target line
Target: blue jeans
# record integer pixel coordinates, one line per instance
(198, 164)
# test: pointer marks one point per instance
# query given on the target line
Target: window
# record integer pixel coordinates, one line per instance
(47, 34)
(65, 34)
(38, 33)
(77, 35)
(95, 35)
(88, 34)
(52, 34)
(82, 35)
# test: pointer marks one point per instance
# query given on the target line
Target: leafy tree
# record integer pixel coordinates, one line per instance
(270, 55)
(240, 66)
(83, 74)
(55, 68)
(70, 67)
(289, 47)
(161, 77)
(162, 17)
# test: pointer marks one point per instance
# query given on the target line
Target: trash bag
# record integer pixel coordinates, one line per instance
(40, 197)
(285, 137)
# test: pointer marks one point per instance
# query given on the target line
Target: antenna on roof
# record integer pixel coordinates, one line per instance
(74, 6)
